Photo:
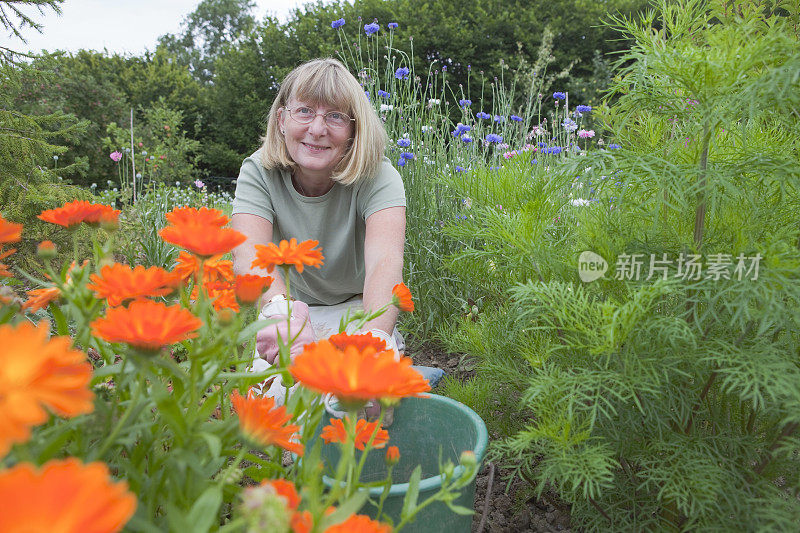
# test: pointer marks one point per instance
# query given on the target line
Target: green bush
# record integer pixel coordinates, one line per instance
(660, 403)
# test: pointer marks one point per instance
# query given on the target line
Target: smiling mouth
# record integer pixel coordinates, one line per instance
(315, 148)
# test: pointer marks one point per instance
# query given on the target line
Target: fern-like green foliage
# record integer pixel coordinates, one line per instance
(659, 401)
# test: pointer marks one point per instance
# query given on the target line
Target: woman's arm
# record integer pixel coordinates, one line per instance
(258, 230)
(383, 261)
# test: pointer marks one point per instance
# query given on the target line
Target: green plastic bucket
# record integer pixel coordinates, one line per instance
(426, 430)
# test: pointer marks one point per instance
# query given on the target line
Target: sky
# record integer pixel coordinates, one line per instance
(121, 26)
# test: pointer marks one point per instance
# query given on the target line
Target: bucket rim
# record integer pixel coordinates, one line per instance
(431, 483)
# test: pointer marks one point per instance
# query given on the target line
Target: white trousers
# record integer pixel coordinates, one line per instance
(325, 322)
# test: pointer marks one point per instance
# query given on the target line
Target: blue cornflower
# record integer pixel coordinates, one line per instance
(337, 24)
(583, 109)
(460, 169)
(371, 28)
(541, 144)
(614, 147)
(484, 116)
(460, 130)
(534, 161)
(516, 118)
(366, 93)
(466, 138)
(401, 162)
(569, 125)
(402, 73)
(407, 155)
(384, 94)
(499, 118)
(404, 143)
(494, 138)
(465, 103)
(392, 25)
(559, 95)
(555, 150)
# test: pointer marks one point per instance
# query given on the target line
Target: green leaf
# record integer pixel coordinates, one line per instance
(253, 328)
(460, 509)
(410, 502)
(205, 510)
(350, 506)
(214, 443)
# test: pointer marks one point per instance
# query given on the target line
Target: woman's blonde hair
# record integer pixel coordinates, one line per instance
(327, 81)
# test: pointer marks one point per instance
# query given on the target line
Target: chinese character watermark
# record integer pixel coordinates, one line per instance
(691, 267)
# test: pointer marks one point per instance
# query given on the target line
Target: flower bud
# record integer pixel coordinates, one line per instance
(468, 459)
(46, 250)
(392, 455)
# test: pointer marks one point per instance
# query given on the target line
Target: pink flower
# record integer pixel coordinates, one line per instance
(199, 184)
(115, 156)
(585, 134)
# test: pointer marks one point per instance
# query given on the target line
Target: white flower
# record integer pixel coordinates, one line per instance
(426, 128)
(386, 107)
(578, 202)
(434, 101)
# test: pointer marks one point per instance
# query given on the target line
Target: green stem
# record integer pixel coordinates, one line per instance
(700, 212)
(122, 421)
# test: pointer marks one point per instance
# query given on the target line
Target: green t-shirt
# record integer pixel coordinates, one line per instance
(336, 219)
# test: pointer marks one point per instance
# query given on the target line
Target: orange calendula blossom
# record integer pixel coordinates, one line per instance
(146, 324)
(355, 375)
(118, 283)
(41, 298)
(214, 268)
(285, 488)
(73, 213)
(287, 253)
(37, 373)
(361, 341)
(402, 298)
(264, 423)
(9, 231)
(250, 287)
(336, 432)
(65, 496)
(359, 524)
(202, 217)
(205, 241)
(4, 271)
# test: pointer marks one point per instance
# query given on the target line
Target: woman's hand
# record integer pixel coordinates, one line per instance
(300, 327)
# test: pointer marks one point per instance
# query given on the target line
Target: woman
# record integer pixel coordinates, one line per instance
(321, 174)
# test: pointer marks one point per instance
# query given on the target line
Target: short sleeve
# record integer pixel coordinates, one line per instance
(252, 190)
(383, 191)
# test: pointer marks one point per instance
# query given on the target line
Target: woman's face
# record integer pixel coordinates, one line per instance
(316, 147)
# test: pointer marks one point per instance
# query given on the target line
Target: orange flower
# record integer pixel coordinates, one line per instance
(302, 522)
(79, 211)
(37, 373)
(9, 231)
(4, 271)
(341, 340)
(41, 298)
(359, 524)
(223, 298)
(202, 217)
(263, 423)
(287, 253)
(65, 496)
(335, 432)
(356, 375)
(392, 455)
(205, 241)
(118, 283)
(250, 287)
(402, 298)
(214, 268)
(146, 324)
(286, 489)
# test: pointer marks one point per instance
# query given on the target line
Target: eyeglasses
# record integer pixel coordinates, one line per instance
(306, 115)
